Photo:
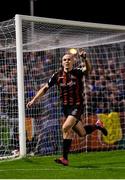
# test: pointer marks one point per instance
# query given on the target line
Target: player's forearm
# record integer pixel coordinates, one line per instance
(88, 65)
(86, 62)
(40, 93)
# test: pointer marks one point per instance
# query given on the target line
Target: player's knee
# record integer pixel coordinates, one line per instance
(82, 134)
(64, 129)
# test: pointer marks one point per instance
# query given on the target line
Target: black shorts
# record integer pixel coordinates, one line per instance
(75, 110)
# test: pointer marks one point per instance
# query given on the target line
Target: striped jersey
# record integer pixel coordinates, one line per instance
(70, 85)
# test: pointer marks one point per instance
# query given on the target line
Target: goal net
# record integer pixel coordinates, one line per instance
(30, 52)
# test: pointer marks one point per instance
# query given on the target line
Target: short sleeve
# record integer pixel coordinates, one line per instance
(53, 80)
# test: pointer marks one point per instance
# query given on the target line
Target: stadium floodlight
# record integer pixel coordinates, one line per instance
(73, 51)
(28, 58)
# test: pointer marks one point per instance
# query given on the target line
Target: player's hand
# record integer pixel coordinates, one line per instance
(29, 104)
(82, 53)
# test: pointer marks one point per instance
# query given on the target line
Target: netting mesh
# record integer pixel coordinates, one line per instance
(43, 46)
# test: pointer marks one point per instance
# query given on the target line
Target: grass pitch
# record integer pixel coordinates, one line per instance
(91, 165)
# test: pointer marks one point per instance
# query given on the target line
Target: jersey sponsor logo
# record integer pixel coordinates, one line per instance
(73, 77)
(71, 83)
(83, 69)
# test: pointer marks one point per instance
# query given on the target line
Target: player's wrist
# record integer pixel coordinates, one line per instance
(83, 57)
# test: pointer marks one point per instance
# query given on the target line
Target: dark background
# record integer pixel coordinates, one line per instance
(108, 12)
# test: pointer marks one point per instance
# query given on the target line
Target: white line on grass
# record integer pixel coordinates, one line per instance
(69, 168)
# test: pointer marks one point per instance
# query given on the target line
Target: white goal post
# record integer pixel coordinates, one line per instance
(31, 49)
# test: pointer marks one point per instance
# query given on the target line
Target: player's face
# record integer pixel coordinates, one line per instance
(67, 62)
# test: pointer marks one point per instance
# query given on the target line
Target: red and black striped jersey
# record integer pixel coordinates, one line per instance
(70, 85)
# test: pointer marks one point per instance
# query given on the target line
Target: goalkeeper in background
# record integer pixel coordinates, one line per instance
(70, 83)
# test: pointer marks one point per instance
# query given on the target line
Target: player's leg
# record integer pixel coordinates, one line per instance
(88, 129)
(67, 139)
(79, 129)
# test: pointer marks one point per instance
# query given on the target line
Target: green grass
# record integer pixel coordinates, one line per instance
(92, 165)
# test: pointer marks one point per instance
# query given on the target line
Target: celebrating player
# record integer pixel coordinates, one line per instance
(70, 83)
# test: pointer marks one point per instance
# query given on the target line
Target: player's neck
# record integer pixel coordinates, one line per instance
(67, 70)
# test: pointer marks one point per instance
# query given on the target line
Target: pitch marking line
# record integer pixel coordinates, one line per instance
(69, 168)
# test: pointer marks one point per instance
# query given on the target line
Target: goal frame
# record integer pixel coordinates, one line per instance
(19, 54)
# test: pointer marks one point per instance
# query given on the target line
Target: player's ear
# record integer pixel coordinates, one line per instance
(73, 60)
(62, 63)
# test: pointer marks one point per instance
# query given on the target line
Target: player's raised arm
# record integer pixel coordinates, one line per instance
(88, 67)
(40, 93)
